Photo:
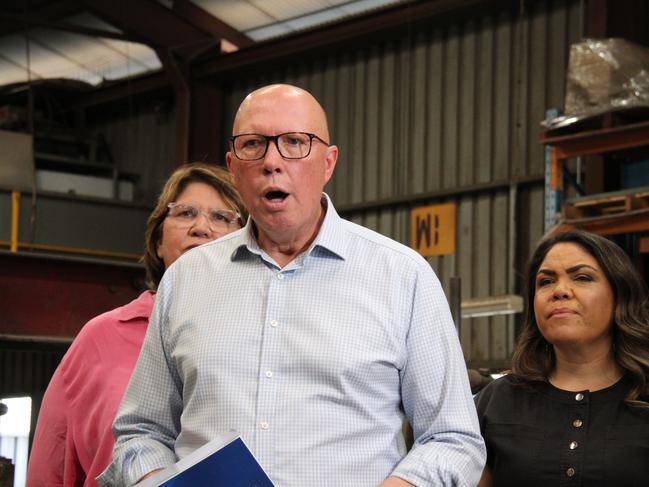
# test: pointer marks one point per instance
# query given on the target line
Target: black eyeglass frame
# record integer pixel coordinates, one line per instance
(275, 138)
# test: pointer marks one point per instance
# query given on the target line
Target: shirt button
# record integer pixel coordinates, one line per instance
(579, 397)
(573, 445)
(269, 373)
(274, 323)
(280, 276)
(264, 425)
(570, 472)
(577, 423)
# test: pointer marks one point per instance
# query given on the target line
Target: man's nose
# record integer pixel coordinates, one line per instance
(273, 160)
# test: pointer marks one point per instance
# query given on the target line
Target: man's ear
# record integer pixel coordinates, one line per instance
(228, 160)
(330, 161)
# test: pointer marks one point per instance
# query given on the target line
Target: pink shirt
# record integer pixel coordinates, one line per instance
(73, 441)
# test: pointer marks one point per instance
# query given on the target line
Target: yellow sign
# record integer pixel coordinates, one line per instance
(432, 229)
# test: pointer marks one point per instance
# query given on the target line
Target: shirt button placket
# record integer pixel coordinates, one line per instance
(267, 386)
(573, 454)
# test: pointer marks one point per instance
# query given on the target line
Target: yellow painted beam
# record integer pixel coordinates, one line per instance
(73, 250)
(15, 215)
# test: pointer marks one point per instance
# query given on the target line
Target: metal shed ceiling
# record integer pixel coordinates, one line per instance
(96, 40)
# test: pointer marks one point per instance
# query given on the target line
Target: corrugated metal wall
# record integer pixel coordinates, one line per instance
(442, 109)
(26, 370)
(142, 141)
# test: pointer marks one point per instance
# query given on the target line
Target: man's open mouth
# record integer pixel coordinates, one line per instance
(276, 195)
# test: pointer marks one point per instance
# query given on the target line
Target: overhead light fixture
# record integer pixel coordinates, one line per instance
(228, 47)
(492, 306)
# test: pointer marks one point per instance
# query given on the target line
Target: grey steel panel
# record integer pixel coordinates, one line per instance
(503, 72)
(416, 121)
(5, 215)
(81, 223)
(485, 243)
(499, 344)
(435, 136)
(16, 160)
(389, 142)
(142, 143)
(26, 372)
(373, 162)
(465, 236)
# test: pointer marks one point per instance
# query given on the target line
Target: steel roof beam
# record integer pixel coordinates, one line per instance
(65, 26)
(381, 23)
(210, 24)
(151, 22)
(51, 11)
(320, 39)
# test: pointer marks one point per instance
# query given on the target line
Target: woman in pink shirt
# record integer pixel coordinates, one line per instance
(73, 441)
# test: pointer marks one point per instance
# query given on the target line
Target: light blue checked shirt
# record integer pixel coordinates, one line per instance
(315, 365)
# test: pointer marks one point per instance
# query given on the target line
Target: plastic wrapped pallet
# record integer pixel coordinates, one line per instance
(606, 74)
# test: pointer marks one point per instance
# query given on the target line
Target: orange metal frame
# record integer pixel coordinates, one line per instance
(598, 141)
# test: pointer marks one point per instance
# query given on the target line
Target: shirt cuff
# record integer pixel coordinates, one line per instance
(137, 461)
(421, 470)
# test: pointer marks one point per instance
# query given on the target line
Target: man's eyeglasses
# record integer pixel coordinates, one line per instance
(291, 145)
(218, 218)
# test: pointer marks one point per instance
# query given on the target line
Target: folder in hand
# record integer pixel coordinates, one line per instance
(223, 462)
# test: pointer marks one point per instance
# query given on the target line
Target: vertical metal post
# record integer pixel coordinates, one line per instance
(511, 260)
(552, 196)
(15, 214)
(455, 301)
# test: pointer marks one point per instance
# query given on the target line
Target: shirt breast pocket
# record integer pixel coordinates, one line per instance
(626, 455)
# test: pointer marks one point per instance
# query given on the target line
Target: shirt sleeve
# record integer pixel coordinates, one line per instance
(148, 419)
(448, 448)
(53, 460)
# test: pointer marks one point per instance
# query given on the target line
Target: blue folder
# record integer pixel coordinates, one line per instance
(232, 465)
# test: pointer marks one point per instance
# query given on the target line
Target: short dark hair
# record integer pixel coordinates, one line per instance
(213, 175)
(533, 358)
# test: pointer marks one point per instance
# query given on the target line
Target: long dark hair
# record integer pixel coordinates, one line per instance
(533, 358)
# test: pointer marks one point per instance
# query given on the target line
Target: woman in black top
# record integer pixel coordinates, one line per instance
(574, 410)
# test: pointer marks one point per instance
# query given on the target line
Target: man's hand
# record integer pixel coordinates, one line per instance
(395, 482)
(150, 474)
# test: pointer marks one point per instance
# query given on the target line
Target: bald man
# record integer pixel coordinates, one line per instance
(310, 336)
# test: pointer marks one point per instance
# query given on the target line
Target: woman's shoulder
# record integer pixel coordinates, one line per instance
(502, 385)
(102, 326)
(508, 400)
(99, 336)
(504, 389)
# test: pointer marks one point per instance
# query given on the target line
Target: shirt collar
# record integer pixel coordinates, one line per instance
(331, 236)
(138, 308)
